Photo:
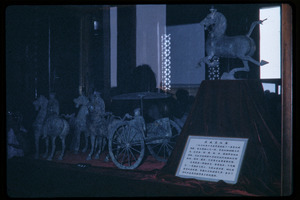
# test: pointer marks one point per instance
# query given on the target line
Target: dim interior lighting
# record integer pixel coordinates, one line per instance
(269, 86)
(96, 25)
(166, 61)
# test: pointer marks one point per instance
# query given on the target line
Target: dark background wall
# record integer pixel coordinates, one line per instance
(126, 44)
(27, 56)
(27, 48)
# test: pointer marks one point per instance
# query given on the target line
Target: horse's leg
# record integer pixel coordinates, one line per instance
(37, 143)
(47, 147)
(207, 60)
(63, 147)
(100, 143)
(245, 68)
(249, 58)
(106, 158)
(92, 147)
(96, 142)
(86, 138)
(77, 140)
(230, 75)
(203, 60)
(107, 155)
(53, 148)
(104, 142)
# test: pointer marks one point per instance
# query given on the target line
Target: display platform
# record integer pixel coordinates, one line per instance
(237, 109)
(148, 164)
(221, 109)
(28, 177)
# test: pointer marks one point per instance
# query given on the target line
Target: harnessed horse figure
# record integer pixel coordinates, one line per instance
(55, 126)
(49, 125)
(96, 124)
(80, 122)
(219, 45)
(40, 105)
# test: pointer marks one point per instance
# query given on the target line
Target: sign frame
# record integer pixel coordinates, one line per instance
(240, 144)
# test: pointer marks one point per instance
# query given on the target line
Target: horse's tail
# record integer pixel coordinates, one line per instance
(253, 26)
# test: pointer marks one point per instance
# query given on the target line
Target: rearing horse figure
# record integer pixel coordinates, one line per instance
(219, 45)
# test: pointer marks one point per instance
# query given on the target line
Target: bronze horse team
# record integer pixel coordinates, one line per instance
(126, 138)
(90, 120)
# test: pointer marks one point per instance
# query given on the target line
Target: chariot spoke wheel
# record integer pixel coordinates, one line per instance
(162, 147)
(126, 146)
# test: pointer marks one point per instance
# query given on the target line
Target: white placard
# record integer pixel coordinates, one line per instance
(212, 158)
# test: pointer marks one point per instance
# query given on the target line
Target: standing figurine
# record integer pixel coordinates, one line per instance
(96, 124)
(52, 110)
(81, 102)
(40, 105)
(49, 124)
(98, 102)
(137, 120)
(53, 105)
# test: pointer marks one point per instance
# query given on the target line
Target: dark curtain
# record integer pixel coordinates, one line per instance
(234, 108)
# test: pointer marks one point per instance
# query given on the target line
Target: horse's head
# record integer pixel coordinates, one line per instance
(214, 21)
(41, 102)
(81, 100)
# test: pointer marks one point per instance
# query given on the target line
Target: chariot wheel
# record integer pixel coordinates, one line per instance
(162, 147)
(126, 146)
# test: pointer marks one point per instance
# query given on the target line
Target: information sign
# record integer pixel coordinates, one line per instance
(212, 158)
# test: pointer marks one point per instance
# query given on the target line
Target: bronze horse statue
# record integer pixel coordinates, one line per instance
(40, 105)
(55, 126)
(81, 102)
(52, 126)
(219, 45)
(96, 124)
